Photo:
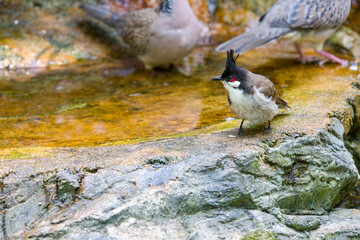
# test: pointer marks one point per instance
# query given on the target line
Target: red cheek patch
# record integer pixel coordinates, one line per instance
(233, 80)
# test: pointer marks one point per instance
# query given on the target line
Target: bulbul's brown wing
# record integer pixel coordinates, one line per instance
(264, 85)
(267, 87)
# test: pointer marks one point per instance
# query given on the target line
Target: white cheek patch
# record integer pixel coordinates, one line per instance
(234, 84)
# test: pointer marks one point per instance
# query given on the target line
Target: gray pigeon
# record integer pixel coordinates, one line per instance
(159, 36)
(300, 21)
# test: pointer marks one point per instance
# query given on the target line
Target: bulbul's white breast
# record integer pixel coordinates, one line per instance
(256, 108)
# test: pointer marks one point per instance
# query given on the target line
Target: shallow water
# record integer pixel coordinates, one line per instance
(89, 105)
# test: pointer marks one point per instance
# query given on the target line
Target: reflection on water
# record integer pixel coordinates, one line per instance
(97, 104)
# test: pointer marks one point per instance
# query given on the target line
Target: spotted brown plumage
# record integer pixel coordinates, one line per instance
(134, 28)
(300, 21)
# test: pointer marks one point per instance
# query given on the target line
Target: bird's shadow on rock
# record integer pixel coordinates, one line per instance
(283, 114)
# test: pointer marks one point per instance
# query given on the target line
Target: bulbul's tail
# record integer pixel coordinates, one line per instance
(101, 13)
(252, 39)
(281, 103)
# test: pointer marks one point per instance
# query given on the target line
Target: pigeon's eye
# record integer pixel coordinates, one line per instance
(233, 80)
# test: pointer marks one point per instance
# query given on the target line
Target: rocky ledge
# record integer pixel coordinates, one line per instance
(285, 185)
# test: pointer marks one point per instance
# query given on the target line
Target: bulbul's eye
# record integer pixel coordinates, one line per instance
(233, 80)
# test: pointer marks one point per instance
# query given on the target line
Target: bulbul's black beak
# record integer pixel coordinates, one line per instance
(218, 78)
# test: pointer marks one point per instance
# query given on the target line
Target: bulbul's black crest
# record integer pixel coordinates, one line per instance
(231, 61)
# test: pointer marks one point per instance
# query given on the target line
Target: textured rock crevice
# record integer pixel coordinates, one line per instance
(352, 143)
(352, 140)
(24, 200)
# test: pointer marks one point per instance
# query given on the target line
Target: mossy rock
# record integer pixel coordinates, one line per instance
(260, 234)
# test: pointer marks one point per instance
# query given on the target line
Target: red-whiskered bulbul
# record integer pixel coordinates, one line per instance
(251, 96)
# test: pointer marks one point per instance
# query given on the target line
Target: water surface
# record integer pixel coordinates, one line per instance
(88, 105)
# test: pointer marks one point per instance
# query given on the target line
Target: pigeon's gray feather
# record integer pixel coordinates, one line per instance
(252, 39)
(287, 16)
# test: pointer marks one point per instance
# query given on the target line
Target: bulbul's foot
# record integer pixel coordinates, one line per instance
(268, 130)
(240, 132)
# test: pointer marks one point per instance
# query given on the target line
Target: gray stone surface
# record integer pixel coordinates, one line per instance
(341, 224)
(24, 202)
(281, 190)
(251, 193)
(2, 237)
(212, 224)
(67, 185)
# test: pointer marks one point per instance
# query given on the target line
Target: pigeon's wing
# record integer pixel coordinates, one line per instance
(308, 14)
(135, 28)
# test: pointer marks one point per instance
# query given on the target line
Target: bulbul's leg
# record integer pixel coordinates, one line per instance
(240, 131)
(268, 130)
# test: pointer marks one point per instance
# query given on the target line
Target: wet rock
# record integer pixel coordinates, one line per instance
(353, 139)
(212, 224)
(354, 148)
(337, 128)
(24, 202)
(221, 195)
(302, 174)
(354, 102)
(313, 152)
(2, 237)
(302, 223)
(218, 224)
(68, 184)
(347, 39)
(341, 224)
(160, 161)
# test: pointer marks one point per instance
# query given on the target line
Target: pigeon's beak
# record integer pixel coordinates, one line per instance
(218, 78)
